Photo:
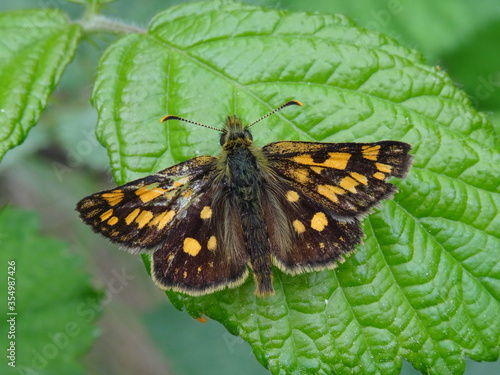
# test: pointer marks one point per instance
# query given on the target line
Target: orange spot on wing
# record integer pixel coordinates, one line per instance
(370, 152)
(113, 220)
(292, 196)
(144, 218)
(360, 178)
(212, 243)
(187, 193)
(163, 219)
(298, 226)
(337, 160)
(131, 216)
(206, 213)
(318, 170)
(330, 192)
(300, 175)
(319, 221)
(149, 192)
(191, 246)
(105, 216)
(383, 167)
(114, 197)
(349, 184)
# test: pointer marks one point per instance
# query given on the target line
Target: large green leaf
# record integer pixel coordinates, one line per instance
(434, 26)
(54, 302)
(425, 284)
(35, 47)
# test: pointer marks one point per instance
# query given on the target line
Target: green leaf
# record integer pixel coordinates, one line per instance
(55, 303)
(435, 27)
(36, 46)
(425, 285)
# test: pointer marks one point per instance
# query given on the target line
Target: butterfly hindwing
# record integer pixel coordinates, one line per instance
(140, 213)
(195, 258)
(317, 238)
(346, 178)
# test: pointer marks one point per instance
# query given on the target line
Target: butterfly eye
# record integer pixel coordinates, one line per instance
(222, 139)
(248, 135)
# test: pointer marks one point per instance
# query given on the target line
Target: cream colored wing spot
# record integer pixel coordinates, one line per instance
(292, 196)
(191, 246)
(206, 213)
(298, 226)
(319, 221)
(379, 175)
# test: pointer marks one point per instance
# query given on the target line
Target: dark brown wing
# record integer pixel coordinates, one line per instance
(173, 213)
(304, 235)
(346, 178)
(140, 214)
(321, 191)
(198, 257)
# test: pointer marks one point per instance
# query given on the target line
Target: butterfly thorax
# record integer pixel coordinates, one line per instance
(242, 175)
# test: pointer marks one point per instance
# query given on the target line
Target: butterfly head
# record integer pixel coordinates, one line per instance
(235, 134)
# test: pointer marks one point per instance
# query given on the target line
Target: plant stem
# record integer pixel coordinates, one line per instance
(98, 23)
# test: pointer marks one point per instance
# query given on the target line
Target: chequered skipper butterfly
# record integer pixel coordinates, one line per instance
(294, 205)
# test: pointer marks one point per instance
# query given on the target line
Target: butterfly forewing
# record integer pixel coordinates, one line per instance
(346, 178)
(140, 213)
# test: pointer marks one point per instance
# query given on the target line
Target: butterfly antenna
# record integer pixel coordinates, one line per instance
(170, 117)
(291, 102)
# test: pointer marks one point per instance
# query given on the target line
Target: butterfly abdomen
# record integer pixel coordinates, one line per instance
(245, 180)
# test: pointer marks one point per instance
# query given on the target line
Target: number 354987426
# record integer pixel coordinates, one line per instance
(11, 283)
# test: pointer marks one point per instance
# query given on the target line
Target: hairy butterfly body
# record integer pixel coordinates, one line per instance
(295, 205)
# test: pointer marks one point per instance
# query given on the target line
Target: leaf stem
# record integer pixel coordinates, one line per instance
(92, 22)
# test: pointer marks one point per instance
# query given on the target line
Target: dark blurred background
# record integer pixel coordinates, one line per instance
(141, 332)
